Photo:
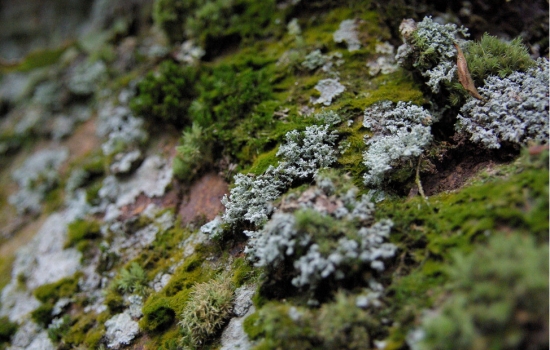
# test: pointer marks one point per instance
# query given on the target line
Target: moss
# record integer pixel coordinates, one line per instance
(492, 56)
(207, 310)
(86, 330)
(166, 96)
(157, 314)
(58, 329)
(351, 158)
(229, 95)
(53, 200)
(131, 280)
(193, 153)
(492, 286)
(114, 301)
(64, 288)
(160, 308)
(242, 270)
(81, 230)
(263, 161)
(273, 325)
(395, 87)
(512, 201)
(5, 270)
(42, 315)
(7, 329)
(343, 325)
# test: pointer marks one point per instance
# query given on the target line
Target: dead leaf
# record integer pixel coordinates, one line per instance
(464, 74)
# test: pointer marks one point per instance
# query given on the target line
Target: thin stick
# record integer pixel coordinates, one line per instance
(418, 183)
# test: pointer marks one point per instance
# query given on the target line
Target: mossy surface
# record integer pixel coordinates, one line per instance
(7, 330)
(81, 230)
(233, 108)
(64, 288)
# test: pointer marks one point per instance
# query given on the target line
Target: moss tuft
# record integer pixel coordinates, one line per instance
(208, 308)
(81, 230)
(166, 96)
(7, 329)
(64, 288)
(492, 56)
(132, 280)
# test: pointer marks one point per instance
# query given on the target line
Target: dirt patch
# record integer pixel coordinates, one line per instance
(459, 166)
(203, 199)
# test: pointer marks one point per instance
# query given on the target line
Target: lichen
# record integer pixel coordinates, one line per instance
(515, 110)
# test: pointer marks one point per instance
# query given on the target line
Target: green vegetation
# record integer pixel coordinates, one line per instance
(80, 231)
(5, 270)
(498, 291)
(160, 309)
(58, 329)
(166, 96)
(43, 315)
(214, 21)
(64, 288)
(194, 152)
(493, 56)
(7, 330)
(35, 59)
(131, 280)
(474, 258)
(208, 308)
(339, 324)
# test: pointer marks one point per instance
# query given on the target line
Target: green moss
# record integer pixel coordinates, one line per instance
(114, 301)
(336, 325)
(215, 23)
(82, 230)
(43, 315)
(7, 330)
(351, 158)
(395, 87)
(276, 329)
(53, 200)
(132, 280)
(194, 152)
(57, 331)
(242, 270)
(229, 93)
(492, 56)
(208, 308)
(166, 96)
(455, 219)
(160, 308)
(343, 325)
(5, 270)
(491, 286)
(513, 201)
(263, 161)
(64, 288)
(157, 314)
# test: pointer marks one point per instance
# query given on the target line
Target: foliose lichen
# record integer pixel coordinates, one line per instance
(400, 133)
(515, 110)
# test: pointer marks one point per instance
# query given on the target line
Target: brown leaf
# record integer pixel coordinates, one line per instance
(464, 74)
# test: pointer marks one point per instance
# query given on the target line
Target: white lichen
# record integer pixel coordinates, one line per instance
(515, 110)
(329, 89)
(347, 32)
(37, 175)
(121, 329)
(400, 133)
(302, 155)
